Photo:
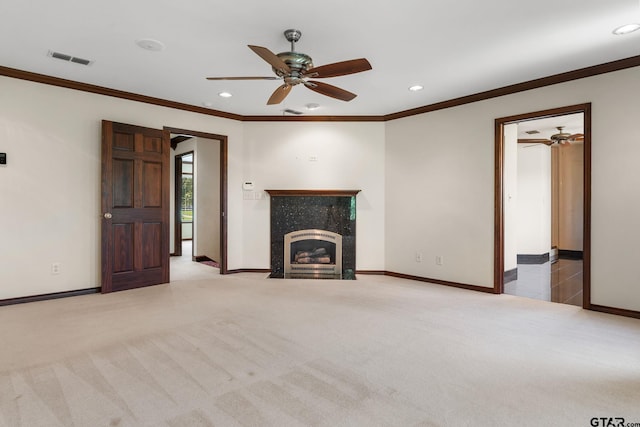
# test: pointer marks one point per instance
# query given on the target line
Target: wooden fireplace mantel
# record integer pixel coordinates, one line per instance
(312, 192)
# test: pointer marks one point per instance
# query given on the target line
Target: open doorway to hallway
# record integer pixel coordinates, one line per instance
(197, 200)
(542, 214)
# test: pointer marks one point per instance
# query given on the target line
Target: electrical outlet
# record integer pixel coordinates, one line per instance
(439, 260)
(55, 268)
(418, 256)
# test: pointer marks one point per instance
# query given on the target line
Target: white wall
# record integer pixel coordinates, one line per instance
(510, 201)
(50, 189)
(207, 208)
(439, 195)
(348, 156)
(534, 199)
(439, 181)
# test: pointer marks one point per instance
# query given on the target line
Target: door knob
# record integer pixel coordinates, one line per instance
(108, 215)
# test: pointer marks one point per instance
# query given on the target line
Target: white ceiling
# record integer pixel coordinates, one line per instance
(451, 48)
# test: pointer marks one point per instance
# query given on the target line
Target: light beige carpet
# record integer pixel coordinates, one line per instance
(243, 350)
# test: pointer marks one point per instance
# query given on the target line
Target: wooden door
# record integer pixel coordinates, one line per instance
(135, 206)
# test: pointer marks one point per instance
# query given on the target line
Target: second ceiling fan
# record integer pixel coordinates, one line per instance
(560, 138)
(297, 68)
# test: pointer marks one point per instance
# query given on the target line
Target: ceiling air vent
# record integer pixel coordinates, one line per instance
(69, 58)
(532, 132)
(290, 111)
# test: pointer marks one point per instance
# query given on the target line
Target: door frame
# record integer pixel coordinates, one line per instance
(223, 186)
(498, 269)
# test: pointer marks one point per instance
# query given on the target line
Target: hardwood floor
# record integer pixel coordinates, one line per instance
(560, 281)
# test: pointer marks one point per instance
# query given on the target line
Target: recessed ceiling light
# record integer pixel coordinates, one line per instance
(626, 29)
(312, 106)
(150, 44)
(415, 88)
(225, 94)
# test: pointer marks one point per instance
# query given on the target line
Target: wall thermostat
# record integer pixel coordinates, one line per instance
(248, 185)
(3, 158)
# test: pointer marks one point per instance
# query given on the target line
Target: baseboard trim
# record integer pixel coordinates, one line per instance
(249, 270)
(613, 310)
(371, 272)
(441, 282)
(511, 275)
(46, 297)
(568, 254)
(533, 259)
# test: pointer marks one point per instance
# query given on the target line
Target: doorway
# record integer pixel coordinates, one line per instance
(200, 196)
(549, 258)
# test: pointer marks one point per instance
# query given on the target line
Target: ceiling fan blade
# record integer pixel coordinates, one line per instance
(243, 78)
(535, 141)
(271, 58)
(339, 68)
(329, 90)
(279, 94)
(577, 137)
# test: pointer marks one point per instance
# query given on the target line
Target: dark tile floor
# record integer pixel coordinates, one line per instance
(560, 281)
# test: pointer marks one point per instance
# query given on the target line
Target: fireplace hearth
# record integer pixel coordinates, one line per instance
(313, 234)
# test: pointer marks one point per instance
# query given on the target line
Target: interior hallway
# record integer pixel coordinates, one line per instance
(184, 268)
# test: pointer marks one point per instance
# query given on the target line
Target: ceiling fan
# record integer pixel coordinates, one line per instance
(297, 68)
(560, 138)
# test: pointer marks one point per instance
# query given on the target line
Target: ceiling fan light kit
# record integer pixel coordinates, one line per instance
(296, 68)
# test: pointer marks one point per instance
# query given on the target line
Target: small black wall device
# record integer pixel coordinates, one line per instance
(3, 158)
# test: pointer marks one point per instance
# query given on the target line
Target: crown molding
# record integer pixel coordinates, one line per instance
(581, 73)
(101, 90)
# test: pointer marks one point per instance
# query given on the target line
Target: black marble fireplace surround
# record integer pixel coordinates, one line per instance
(331, 210)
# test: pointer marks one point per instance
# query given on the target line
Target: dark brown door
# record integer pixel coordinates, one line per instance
(135, 206)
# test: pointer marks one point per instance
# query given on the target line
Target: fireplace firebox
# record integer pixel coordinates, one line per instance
(312, 254)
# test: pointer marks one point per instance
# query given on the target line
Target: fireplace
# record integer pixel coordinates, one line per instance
(312, 254)
(317, 226)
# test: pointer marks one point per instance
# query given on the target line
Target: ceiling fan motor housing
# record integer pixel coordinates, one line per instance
(298, 62)
(560, 137)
